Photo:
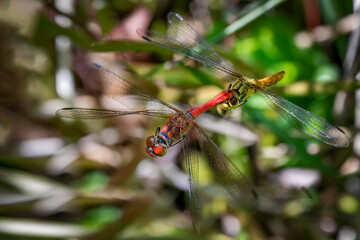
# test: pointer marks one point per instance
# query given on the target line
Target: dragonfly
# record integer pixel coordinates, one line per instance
(179, 127)
(183, 39)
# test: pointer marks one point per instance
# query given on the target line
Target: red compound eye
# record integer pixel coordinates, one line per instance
(159, 150)
(150, 141)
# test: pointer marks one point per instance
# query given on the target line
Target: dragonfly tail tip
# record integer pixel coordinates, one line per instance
(282, 73)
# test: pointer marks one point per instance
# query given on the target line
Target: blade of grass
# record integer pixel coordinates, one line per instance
(243, 21)
(41, 229)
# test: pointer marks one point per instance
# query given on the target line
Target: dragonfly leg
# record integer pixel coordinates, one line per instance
(157, 131)
(244, 97)
(243, 103)
(172, 144)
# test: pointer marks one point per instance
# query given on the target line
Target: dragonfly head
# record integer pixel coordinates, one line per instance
(232, 103)
(155, 146)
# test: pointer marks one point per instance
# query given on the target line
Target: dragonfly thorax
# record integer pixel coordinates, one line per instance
(242, 90)
(181, 119)
(168, 135)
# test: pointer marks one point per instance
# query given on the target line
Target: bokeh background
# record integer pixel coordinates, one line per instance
(62, 179)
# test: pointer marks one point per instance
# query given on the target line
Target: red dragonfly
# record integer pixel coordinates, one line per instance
(183, 39)
(179, 127)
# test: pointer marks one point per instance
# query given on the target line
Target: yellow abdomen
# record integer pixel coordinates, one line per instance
(271, 80)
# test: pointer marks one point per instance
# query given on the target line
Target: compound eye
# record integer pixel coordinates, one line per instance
(150, 151)
(159, 150)
(150, 141)
(233, 101)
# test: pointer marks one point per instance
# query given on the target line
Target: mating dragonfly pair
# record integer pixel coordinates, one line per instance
(180, 126)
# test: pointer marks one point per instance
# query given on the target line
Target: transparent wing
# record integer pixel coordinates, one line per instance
(183, 39)
(125, 93)
(90, 113)
(306, 121)
(226, 172)
(192, 171)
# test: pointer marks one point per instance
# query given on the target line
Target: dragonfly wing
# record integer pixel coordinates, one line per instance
(183, 39)
(90, 113)
(307, 121)
(124, 92)
(226, 172)
(192, 172)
